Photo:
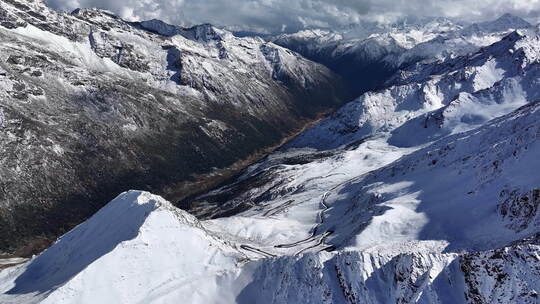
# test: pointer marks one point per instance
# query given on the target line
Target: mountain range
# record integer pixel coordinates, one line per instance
(93, 105)
(422, 189)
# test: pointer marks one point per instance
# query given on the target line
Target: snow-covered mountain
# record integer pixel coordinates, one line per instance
(368, 53)
(433, 227)
(424, 191)
(436, 99)
(93, 105)
(153, 251)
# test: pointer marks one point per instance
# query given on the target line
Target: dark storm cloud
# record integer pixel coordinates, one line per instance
(274, 15)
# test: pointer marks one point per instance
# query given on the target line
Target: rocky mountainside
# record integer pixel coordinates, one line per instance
(93, 105)
(424, 191)
(403, 245)
(366, 54)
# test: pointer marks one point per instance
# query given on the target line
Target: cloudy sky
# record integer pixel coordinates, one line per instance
(291, 15)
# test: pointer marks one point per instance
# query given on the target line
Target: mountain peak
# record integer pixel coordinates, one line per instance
(204, 32)
(509, 16)
(513, 20)
(94, 13)
(137, 237)
(506, 22)
(160, 27)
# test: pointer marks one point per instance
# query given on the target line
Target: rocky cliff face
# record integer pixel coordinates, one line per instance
(93, 105)
(496, 276)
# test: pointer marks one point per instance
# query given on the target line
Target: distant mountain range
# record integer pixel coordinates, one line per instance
(367, 54)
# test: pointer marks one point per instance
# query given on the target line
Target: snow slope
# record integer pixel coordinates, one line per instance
(424, 194)
(150, 252)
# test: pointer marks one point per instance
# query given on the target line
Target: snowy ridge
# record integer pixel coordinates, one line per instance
(424, 193)
(150, 235)
(505, 275)
(503, 24)
(409, 271)
(142, 241)
(415, 40)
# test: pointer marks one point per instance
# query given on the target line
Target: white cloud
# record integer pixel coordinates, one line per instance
(273, 15)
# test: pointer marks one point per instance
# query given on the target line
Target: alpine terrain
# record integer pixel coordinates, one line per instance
(423, 189)
(93, 105)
